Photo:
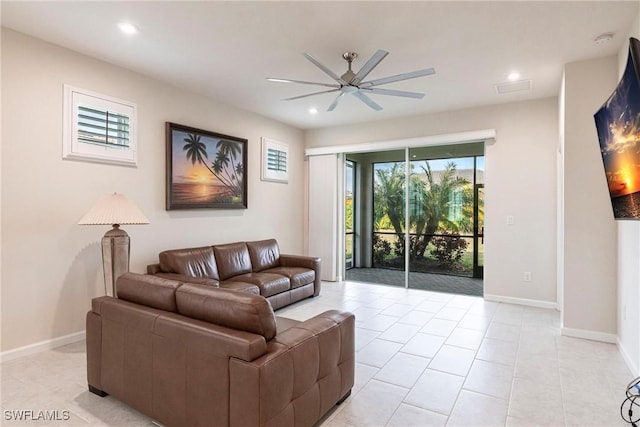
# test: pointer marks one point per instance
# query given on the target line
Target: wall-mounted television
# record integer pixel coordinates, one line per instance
(618, 125)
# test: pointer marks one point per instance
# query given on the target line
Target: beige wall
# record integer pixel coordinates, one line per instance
(520, 181)
(50, 266)
(590, 242)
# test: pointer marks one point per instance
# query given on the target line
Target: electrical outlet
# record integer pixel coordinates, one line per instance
(510, 220)
(527, 276)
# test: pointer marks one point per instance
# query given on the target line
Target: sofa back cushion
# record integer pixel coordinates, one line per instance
(264, 254)
(151, 291)
(194, 262)
(237, 310)
(232, 259)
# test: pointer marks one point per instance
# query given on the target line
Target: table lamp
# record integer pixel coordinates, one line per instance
(114, 209)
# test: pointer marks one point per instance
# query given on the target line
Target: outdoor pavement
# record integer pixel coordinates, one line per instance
(429, 281)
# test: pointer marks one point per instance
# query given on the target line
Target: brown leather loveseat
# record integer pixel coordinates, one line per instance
(193, 355)
(257, 267)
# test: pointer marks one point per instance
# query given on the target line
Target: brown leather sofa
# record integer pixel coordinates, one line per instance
(257, 267)
(193, 355)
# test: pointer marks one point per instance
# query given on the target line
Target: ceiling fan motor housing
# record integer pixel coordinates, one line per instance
(349, 56)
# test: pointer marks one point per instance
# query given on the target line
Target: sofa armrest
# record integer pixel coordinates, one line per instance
(314, 263)
(307, 369)
(299, 261)
(188, 279)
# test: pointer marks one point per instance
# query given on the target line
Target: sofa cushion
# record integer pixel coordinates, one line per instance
(233, 259)
(284, 323)
(237, 310)
(151, 291)
(240, 286)
(269, 284)
(194, 262)
(264, 254)
(188, 279)
(298, 276)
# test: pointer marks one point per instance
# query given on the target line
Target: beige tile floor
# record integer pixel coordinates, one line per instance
(423, 359)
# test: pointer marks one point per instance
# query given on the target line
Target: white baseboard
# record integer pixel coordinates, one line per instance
(627, 359)
(41, 346)
(589, 335)
(521, 301)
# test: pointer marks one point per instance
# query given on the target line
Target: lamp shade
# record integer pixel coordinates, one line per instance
(113, 209)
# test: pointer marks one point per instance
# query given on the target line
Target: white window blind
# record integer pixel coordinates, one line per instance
(98, 128)
(103, 127)
(276, 160)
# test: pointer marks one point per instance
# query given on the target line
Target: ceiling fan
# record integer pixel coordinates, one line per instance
(353, 83)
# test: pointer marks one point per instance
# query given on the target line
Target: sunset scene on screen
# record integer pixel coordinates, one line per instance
(618, 125)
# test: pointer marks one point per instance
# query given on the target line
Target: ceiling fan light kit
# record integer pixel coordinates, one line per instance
(352, 83)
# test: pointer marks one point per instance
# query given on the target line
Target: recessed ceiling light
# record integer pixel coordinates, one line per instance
(513, 76)
(128, 28)
(603, 38)
(313, 110)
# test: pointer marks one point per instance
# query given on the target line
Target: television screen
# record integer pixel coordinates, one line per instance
(618, 125)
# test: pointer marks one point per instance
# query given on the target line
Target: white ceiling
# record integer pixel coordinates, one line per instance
(226, 50)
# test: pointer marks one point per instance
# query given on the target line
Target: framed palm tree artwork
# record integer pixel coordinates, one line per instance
(205, 169)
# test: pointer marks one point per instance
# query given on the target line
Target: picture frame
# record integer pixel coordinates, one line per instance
(275, 161)
(205, 170)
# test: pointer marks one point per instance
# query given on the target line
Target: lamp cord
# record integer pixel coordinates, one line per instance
(632, 393)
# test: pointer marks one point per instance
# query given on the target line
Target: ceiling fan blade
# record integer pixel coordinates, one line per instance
(327, 71)
(399, 77)
(310, 94)
(335, 102)
(364, 98)
(380, 91)
(369, 66)
(271, 79)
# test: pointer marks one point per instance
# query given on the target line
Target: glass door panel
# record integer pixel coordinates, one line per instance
(388, 213)
(349, 209)
(478, 265)
(441, 216)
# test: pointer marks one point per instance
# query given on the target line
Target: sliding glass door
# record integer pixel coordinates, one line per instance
(421, 215)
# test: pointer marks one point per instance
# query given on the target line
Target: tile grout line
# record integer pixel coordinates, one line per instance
(513, 373)
(562, 397)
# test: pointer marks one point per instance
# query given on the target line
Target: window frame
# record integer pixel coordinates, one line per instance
(281, 172)
(75, 149)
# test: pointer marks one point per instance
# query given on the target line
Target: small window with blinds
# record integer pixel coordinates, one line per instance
(275, 161)
(98, 128)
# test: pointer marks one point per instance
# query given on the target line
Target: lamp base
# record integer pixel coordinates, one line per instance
(115, 257)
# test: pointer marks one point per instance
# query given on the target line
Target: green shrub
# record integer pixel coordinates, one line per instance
(449, 248)
(381, 250)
